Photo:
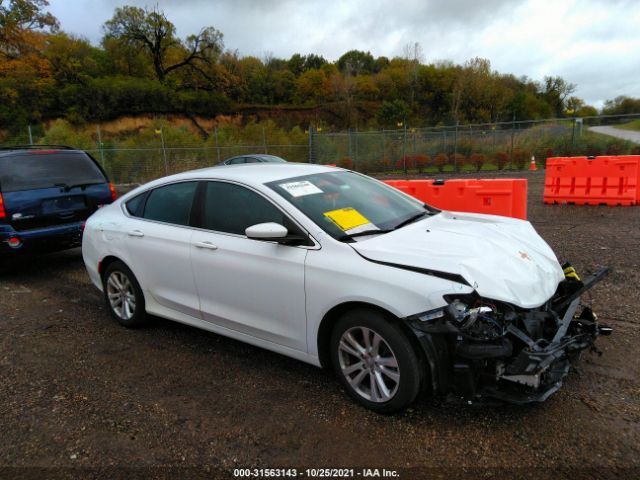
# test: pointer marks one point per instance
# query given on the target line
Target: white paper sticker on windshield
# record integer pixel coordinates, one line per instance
(300, 189)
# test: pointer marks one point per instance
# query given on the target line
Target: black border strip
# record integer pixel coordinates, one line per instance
(454, 277)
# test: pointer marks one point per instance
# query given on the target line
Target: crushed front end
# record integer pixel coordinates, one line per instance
(480, 349)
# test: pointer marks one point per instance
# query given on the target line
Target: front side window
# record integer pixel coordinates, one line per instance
(346, 203)
(171, 203)
(232, 208)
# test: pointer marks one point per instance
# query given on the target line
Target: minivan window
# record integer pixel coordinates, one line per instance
(171, 203)
(44, 170)
(232, 208)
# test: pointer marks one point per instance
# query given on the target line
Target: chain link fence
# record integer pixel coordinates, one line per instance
(505, 145)
(139, 165)
(151, 154)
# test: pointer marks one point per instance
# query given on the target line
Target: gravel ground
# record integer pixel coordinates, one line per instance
(83, 397)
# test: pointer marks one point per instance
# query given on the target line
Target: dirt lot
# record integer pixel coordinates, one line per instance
(81, 396)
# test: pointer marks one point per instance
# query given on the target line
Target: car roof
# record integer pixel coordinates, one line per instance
(251, 174)
(37, 150)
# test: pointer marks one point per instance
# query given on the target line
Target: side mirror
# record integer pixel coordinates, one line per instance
(273, 232)
(266, 231)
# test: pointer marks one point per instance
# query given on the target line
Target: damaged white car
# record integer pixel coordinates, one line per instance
(339, 270)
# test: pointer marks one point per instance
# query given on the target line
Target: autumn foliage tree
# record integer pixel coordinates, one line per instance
(142, 66)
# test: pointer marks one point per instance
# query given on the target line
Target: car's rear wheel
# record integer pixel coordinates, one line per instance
(375, 361)
(123, 295)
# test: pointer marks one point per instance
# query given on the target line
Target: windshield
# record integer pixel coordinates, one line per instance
(346, 204)
(36, 170)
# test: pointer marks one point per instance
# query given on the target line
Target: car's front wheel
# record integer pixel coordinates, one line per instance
(375, 361)
(123, 295)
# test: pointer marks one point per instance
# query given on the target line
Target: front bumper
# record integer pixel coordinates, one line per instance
(525, 362)
(59, 237)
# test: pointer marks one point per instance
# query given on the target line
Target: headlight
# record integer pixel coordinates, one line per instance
(431, 315)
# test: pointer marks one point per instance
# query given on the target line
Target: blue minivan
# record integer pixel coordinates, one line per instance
(46, 194)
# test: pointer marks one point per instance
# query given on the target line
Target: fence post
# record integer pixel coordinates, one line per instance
(384, 147)
(444, 141)
(264, 140)
(455, 148)
(310, 144)
(164, 152)
(513, 132)
(414, 142)
(100, 145)
(349, 150)
(30, 136)
(404, 147)
(215, 134)
(355, 150)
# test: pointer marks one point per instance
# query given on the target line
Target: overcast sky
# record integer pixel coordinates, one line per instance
(592, 43)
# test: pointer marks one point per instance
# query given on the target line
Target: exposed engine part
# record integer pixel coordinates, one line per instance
(532, 380)
(504, 352)
(479, 350)
(478, 323)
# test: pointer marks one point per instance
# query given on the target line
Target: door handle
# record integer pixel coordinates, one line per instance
(207, 245)
(135, 233)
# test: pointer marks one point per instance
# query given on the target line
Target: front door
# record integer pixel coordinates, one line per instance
(250, 286)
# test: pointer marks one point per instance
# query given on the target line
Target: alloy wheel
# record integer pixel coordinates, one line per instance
(368, 364)
(121, 295)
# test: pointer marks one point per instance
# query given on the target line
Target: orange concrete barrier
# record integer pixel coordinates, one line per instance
(505, 196)
(605, 180)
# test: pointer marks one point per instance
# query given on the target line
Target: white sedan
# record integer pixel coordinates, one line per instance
(337, 269)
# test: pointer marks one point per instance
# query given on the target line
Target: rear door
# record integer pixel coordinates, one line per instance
(159, 244)
(43, 188)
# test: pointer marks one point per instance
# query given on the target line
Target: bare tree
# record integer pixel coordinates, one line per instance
(152, 31)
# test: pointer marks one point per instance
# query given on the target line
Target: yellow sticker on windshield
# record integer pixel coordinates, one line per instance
(347, 218)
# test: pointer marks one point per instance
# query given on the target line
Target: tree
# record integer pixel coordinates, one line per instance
(355, 62)
(153, 32)
(392, 113)
(621, 105)
(74, 59)
(18, 17)
(556, 91)
(299, 64)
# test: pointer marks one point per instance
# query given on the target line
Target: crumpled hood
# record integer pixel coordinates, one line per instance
(502, 258)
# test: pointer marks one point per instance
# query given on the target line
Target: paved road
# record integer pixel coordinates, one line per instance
(630, 135)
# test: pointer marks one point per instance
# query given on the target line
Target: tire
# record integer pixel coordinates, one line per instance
(375, 361)
(123, 295)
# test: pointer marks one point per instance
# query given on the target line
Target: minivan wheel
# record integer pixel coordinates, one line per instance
(375, 361)
(123, 295)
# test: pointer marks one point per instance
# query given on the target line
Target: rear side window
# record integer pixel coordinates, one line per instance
(134, 206)
(171, 203)
(232, 208)
(236, 161)
(44, 170)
